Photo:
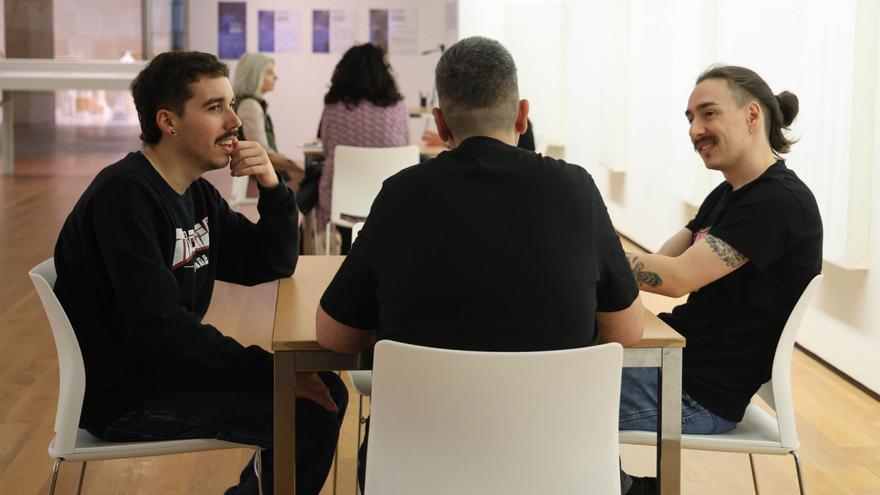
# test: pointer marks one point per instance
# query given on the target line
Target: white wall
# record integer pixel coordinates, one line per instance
(616, 77)
(304, 77)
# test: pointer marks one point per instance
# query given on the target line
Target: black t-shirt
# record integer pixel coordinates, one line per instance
(485, 247)
(732, 325)
(136, 267)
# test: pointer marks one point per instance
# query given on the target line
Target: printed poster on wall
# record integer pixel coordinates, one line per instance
(379, 28)
(343, 29)
(321, 31)
(395, 30)
(288, 31)
(231, 40)
(403, 31)
(279, 31)
(333, 31)
(266, 30)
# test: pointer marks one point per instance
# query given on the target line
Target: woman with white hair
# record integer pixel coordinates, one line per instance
(254, 77)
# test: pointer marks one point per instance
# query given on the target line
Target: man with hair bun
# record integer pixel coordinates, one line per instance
(745, 258)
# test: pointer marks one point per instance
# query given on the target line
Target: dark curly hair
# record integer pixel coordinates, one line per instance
(362, 74)
(164, 85)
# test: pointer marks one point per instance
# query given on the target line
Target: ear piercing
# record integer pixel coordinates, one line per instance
(174, 133)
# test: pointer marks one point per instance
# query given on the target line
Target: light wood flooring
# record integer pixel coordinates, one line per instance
(839, 425)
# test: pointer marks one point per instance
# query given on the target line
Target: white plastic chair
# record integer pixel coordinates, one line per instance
(759, 432)
(238, 194)
(72, 443)
(447, 421)
(358, 174)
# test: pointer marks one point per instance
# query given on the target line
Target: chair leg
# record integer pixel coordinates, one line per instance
(800, 474)
(55, 466)
(82, 476)
(258, 469)
(357, 443)
(754, 476)
(327, 240)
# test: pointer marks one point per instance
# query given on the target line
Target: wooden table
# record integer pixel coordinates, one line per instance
(296, 349)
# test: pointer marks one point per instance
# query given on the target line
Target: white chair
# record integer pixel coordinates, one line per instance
(238, 194)
(759, 432)
(358, 174)
(72, 443)
(447, 421)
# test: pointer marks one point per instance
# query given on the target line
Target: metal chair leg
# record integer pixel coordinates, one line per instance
(754, 476)
(258, 470)
(357, 443)
(82, 475)
(800, 474)
(55, 466)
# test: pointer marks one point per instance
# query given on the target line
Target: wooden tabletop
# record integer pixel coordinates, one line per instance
(298, 299)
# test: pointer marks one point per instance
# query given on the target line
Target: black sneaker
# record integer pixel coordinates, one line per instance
(643, 486)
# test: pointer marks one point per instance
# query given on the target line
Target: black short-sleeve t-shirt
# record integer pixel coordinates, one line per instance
(732, 325)
(485, 247)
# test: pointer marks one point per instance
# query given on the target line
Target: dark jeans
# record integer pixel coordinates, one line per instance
(243, 416)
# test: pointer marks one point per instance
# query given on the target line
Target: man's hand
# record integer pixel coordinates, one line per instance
(309, 386)
(249, 158)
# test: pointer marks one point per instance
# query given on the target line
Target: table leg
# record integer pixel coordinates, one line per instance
(8, 151)
(669, 427)
(285, 418)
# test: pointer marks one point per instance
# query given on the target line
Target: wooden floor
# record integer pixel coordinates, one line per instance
(839, 425)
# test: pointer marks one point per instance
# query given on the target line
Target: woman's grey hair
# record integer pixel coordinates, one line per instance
(248, 79)
(477, 86)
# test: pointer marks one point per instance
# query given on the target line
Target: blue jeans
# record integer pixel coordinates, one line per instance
(639, 406)
(243, 416)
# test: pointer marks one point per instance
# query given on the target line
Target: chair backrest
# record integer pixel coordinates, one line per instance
(358, 174)
(72, 371)
(446, 421)
(238, 193)
(777, 392)
(355, 230)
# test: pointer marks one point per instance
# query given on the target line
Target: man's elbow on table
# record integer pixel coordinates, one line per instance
(338, 337)
(625, 326)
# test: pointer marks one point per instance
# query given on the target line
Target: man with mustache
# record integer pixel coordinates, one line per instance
(745, 258)
(137, 260)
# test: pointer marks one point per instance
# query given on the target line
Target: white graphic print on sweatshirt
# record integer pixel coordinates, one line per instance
(191, 244)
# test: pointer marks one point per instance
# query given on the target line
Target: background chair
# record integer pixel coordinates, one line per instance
(358, 174)
(759, 432)
(72, 443)
(238, 194)
(446, 421)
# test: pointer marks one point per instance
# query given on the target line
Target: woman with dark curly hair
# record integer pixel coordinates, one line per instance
(362, 108)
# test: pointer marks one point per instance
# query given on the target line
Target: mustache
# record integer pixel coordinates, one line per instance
(231, 134)
(702, 140)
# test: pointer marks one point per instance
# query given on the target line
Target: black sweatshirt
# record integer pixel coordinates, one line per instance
(136, 266)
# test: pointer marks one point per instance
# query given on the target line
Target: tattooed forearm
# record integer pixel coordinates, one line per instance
(642, 276)
(730, 256)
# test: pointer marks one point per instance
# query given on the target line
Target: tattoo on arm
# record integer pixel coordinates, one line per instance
(731, 257)
(642, 276)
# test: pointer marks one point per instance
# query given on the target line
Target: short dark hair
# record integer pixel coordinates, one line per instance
(477, 86)
(746, 85)
(363, 74)
(164, 85)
